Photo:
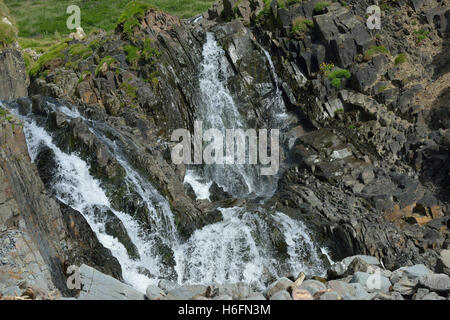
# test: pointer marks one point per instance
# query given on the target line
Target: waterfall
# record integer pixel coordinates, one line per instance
(241, 247)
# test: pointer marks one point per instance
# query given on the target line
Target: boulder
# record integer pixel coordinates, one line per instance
(331, 295)
(436, 282)
(99, 286)
(443, 264)
(343, 289)
(236, 290)
(281, 295)
(186, 292)
(312, 286)
(373, 282)
(154, 293)
(412, 272)
(279, 285)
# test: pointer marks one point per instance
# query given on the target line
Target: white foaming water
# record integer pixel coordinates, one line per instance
(76, 187)
(217, 110)
(200, 186)
(226, 252)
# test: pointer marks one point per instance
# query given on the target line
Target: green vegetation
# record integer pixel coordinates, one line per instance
(107, 62)
(84, 75)
(336, 76)
(384, 5)
(131, 16)
(381, 89)
(8, 28)
(374, 50)
(401, 58)
(129, 89)
(133, 55)
(421, 35)
(326, 68)
(320, 6)
(44, 18)
(149, 53)
(54, 53)
(299, 26)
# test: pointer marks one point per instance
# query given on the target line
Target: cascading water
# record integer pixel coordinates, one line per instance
(238, 248)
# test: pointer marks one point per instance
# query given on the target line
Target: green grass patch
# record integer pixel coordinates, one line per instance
(401, 58)
(375, 50)
(336, 77)
(45, 17)
(53, 53)
(421, 35)
(320, 6)
(106, 61)
(299, 26)
(8, 27)
(129, 89)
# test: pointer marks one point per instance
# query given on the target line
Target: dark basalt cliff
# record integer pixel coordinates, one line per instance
(365, 161)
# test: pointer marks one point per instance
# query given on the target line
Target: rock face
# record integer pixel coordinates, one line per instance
(13, 75)
(39, 239)
(98, 286)
(365, 157)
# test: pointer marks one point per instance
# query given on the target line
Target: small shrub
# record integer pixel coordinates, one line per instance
(149, 52)
(53, 53)
(320, 6)
(401, 58)
(326, 68)
(336, 82)
(421, 35)
(129, 89)
(300, 25)
(80, 50)
(337, 75)
(133, 55)
(131, 16)
(374, 50)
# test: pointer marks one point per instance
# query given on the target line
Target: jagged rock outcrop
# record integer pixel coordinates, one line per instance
(39, 240)
(366, 149)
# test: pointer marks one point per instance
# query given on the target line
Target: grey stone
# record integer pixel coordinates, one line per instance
(412, 272)
(436, 282)
(432, 296)
(360, 292)
(236, 290)
(372, 281)
(313, 286)
(167, 285)
(98, 286)
(223, 297)
(186, 292)
(343, 289)
(154, 293)
(331, 295)
(11, 291)
(279, 285)
(405, 286)
(421, 292)
(256, 296)
(281, 295)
